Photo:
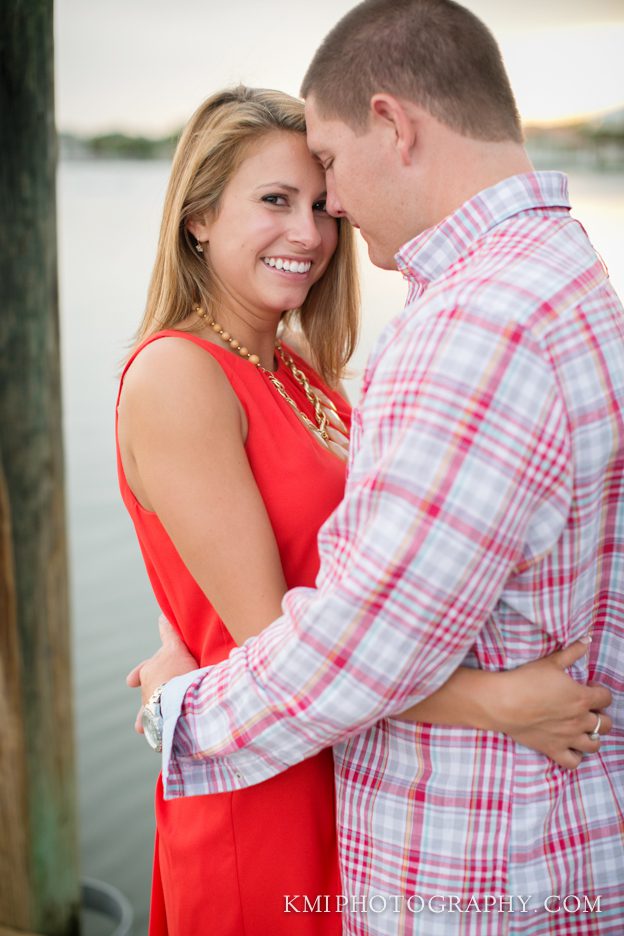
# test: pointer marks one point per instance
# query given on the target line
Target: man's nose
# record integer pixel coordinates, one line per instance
(332, 202)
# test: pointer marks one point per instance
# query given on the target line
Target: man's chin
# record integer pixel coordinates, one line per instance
(379, 258)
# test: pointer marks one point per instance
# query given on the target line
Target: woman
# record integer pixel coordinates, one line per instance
(231, 455)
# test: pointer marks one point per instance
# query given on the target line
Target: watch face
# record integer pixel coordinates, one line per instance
(152, 727)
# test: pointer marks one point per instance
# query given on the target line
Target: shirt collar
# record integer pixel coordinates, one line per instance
(427, 256)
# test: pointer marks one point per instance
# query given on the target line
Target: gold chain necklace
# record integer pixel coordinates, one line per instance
(329, 427)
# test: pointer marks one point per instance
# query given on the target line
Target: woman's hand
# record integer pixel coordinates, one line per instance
(538, 705)
(545, 709)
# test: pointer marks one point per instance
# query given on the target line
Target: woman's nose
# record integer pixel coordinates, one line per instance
(305, 230)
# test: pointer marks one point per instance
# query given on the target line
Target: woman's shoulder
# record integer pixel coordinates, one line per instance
(171, 356)
(178, 374)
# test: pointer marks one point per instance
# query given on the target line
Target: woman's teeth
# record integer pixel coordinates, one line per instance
(290, 266)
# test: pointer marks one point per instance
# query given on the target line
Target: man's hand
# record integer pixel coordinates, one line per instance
(171, 659)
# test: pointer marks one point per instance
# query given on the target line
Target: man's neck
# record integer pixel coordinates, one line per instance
(485, 165)
(461, 167)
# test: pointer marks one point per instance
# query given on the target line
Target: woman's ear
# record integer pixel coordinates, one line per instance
(199, 229)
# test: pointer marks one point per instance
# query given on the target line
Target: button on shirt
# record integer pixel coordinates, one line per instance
(483, 523)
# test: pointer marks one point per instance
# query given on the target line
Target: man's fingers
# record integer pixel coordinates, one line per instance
(133, 679)
(569, 655)
(138, 722)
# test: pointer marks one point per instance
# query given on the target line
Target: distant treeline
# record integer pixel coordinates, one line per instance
(117, 146)
(596, 144)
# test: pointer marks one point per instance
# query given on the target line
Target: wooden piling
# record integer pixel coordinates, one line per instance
(39, 885)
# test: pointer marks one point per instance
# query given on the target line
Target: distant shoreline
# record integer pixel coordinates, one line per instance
(597, 145)
(116, 145)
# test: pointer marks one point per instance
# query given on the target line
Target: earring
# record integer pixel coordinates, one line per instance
(199, 248)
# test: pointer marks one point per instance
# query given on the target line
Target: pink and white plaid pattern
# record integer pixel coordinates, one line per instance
(483, 523)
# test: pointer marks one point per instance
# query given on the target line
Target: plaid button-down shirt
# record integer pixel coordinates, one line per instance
(483, 522)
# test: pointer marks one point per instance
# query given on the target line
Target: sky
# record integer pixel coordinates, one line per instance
(143, 66)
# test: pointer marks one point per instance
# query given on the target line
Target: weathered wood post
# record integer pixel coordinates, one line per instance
(39, 886)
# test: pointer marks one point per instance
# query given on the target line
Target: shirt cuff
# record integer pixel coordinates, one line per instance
(171, 701)
(187, 774)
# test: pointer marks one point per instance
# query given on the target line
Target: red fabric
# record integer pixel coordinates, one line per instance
(224, 862)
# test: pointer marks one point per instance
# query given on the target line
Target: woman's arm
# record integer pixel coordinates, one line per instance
(537, 704)
(182, 433)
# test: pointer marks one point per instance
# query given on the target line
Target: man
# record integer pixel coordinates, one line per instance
(483, 521)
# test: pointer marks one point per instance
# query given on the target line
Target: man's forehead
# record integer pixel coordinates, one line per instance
(322, 132)
(315, 124)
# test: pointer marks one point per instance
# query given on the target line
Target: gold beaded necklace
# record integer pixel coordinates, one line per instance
(329, 428)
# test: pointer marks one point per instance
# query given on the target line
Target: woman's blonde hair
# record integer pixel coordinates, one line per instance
(212, 146)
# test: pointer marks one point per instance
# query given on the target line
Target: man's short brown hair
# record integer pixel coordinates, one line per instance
(435, 53)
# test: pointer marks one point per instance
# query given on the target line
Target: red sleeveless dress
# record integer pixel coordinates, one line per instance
(224, 863)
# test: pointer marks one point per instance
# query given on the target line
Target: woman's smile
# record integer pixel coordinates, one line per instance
(290, 265)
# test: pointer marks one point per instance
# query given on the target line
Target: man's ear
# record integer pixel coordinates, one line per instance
(399, 116)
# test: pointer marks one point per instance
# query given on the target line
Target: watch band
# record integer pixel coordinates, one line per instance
(152, 719)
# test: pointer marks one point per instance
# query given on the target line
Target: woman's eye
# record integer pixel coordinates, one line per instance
(274, 199)
(320, 205)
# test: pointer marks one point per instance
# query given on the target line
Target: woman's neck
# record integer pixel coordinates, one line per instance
(252, 331)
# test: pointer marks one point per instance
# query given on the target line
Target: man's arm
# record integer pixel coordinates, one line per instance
(461, 472)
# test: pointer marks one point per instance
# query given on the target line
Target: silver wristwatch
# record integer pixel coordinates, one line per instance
(152, 720)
